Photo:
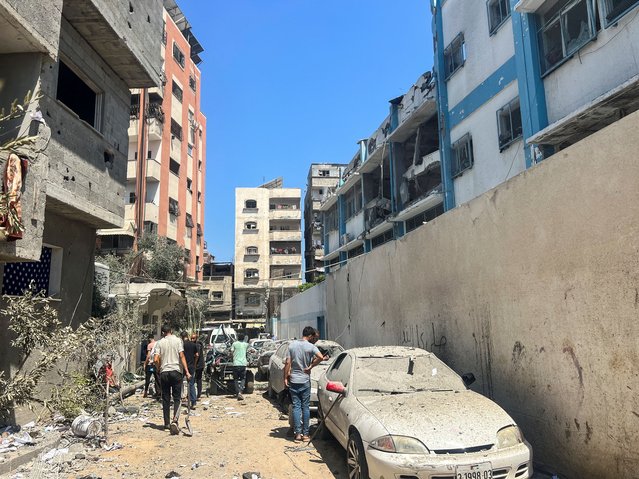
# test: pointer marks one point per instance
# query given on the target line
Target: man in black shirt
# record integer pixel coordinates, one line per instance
(199, 367)
(191, 355)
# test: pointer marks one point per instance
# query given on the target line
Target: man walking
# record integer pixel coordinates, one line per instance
(169, 356)
(302, 356)
(199, 366)
(240, 362)
(191, 356)
(149, 368)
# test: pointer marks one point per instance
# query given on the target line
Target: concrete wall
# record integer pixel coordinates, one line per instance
(302, 310)
(38, 23)
(533, 287)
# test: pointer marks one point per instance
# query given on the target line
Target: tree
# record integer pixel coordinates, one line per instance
(164, 259)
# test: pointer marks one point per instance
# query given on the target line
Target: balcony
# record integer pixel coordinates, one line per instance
(285, 235)
(153, 169)
(286, 282)
(155, 129)
(286, 259)
(151, 212)
(285, 214)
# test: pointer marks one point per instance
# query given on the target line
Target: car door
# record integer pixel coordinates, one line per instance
(336, 406)
(276, 368)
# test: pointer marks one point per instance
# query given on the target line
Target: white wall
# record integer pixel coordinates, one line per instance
(302, 310)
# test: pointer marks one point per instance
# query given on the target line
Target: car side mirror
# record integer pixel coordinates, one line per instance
(335, 387)
(468, 378)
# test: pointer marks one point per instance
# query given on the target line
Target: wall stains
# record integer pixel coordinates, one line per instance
(414, 335)
(568, 349)
(519, 351)
(588, 432)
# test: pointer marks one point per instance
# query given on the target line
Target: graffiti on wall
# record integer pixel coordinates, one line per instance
(417, 335)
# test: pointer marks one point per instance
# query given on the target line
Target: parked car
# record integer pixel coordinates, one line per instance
(401, 412)
(264, 359)
(276, 388)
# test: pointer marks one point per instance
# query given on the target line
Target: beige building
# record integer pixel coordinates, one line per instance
(268, 249)
(216, 288)
(323, 180)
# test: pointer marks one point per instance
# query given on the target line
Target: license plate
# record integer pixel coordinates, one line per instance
(476, 471)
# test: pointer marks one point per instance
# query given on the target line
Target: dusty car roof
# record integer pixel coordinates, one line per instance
(377, 351)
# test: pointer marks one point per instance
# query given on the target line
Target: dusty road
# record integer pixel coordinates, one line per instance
(230, 437)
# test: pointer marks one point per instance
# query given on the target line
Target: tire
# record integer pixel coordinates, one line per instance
(250, 383)
(215, 390)
(259, 376)
(323, 433)
(356, 457)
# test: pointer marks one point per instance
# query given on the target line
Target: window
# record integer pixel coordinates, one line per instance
(331, 219)
(189, 221)
(199, 229)
(462, 155)
(177, 91)
(218, 296)
(498, 12)
(192, 83)
(250, 204)
(189, 150)
(418, 220)
(78, 96)
(189, 185)
(614, 9)
(199, 197)
(164, 33)
(150, 227)
(178, 56)
(43, 275)
(252, 299)
(454, 55)
(251, 274)
(174, 167)
(250, 225)
(341, 370)
(131, 197)
(176, 129)
(566, 27)
(251, 250)
(174, 208)
(509, 124)
(324, 173)
(353, 201)
(381, 239)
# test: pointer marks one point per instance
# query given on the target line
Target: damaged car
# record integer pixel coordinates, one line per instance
(401, 412)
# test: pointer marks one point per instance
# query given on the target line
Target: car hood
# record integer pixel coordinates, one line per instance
(443, 421)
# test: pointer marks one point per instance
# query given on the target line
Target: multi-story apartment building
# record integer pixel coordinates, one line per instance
(393, 183)
(83, 57)
(520, 80)
(323, 180)
(216, 288)
(167, 151)
(268, 249)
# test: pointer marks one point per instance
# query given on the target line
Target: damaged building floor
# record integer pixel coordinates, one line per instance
(230, 438)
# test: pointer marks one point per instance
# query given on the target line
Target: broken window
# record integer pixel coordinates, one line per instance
(252, 299)
(192, 83)
(454, 55)
(217, 296)
(422, 218)
(566, 26)
(331, 219)
(353, 201)
(252, 273)
(174, 208)
(251, 250)
(177, 91)
(174, 167)
(250, 204)
(614, 9)
(498, 12)
(176, 129)
(324, 173)
(250, 225)
(509, 124)
(189, 185)
(150, 227)
(78, 96)
(462, 155)
(189, 221)
(178, 56)
(383, 238)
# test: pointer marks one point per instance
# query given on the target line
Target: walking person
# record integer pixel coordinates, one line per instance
(240, 362)
(302, 356)
(199, 366)
(169, 359)
(191, 356)
(150, 369)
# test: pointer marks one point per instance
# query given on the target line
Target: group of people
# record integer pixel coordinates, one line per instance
(168, 361)
(170, 358)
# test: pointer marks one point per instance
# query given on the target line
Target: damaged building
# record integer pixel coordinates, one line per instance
(393, 183)
(82, 57)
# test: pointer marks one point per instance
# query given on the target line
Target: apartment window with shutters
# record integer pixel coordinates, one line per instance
(251, 250)
(177, 91)
(174, 167)
(178, 56)
(192, 83)
(176, 129)
(454, 55)
(174, 208)
(189, 221)
(462, 155)
(189, 185)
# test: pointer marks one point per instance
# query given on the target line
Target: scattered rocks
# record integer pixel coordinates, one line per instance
(172, 474)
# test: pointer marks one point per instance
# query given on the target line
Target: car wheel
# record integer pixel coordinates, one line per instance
(259, 375)
(356, 458)
(323, 433)
(250, 383)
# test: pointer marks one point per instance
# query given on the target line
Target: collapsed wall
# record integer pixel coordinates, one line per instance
(533, 287)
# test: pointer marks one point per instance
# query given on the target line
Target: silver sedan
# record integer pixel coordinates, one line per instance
(401, 412)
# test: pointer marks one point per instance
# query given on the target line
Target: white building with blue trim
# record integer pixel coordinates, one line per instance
(518, 80)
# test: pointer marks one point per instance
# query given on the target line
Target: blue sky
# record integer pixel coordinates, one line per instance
(287, 83)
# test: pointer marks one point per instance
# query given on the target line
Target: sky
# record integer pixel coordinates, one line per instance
(287, 83)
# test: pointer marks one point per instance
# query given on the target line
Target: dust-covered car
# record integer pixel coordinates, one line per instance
(276, 388)
(401, 412)
(264, 359)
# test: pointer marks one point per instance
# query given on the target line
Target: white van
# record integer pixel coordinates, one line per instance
(219, 336)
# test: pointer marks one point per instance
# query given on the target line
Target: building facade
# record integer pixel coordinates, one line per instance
(323, 179)
(167, 151)
(217, 290)
(268, 249)
(82, 57)
(393, 183)
(520, 80)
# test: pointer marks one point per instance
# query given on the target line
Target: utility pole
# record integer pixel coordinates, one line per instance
(140, 177)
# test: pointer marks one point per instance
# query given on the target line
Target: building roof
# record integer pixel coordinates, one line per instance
(184, 26)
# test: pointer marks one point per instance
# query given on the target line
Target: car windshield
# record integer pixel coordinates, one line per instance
(332, 350)
(403, 374)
